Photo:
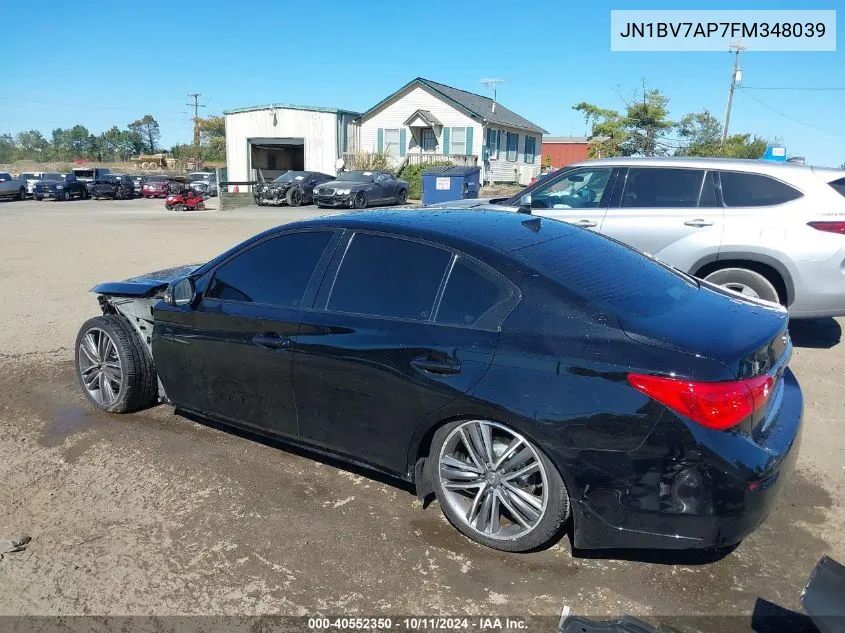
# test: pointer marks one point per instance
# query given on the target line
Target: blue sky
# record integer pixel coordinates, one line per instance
(552, 54)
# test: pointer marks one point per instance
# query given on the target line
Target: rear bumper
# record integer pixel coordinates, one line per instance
(688, 487)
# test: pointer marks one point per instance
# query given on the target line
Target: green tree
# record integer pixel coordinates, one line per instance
(80, 143)
(32, 145)
(147, 130)
(647, 121)
(7, 148)
(702, 134)
(607, 133)
(60, 146)
(212, 137)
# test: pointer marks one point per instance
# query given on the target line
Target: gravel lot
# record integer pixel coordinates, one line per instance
(153, 513)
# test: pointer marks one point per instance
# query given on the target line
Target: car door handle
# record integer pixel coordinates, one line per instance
(443, 367)
(698, 222)
(272, 341)
(584, 223)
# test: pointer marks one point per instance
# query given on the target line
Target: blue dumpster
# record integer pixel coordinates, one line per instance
(443, 184)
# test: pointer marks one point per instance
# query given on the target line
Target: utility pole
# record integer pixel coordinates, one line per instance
(737, 75)
(196, 105)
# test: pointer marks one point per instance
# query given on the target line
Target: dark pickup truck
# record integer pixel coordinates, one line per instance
(62, 189)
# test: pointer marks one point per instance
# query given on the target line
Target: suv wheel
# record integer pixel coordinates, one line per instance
(496, 487)
(746, 282)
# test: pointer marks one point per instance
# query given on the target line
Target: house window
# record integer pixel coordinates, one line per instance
(513, 146)
(459, 141)
(530, 149)
(492, 143)
(391, 142)
(428, 141)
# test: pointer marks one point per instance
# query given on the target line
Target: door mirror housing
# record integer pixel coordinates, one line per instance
(181, 292)
(524, 204)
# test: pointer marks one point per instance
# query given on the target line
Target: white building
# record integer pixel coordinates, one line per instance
(425, 121)
(266, 141)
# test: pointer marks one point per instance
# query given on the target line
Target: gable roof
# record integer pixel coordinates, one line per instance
(476, 106)
(425, 115)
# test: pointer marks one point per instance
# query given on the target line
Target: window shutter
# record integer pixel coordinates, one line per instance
(380, 141)
(403, 142)
(446, 132)
(469, 141)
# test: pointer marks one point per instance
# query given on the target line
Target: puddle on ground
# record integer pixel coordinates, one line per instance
(68, 422)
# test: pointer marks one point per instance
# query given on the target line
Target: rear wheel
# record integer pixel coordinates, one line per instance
(180, 207)
(496, 487)
(21, 194)
(746, 282)
(402, 197)
(113, 367)
(201, 206)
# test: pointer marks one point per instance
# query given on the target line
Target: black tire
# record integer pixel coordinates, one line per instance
(21, 194)
(360, 200)
(294, 197)
(66, 195)
(550, 525)
(201, 206)
(742, 278)
(83, 195)
(180, 207)
(39, 198)
(402, 196)
(168, 207)
(139, 384)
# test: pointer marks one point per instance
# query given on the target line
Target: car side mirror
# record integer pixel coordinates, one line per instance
(181, 292)
(524, 204)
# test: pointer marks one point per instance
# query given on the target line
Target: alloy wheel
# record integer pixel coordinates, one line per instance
(493, 479)
(99, 367)
(742, 289)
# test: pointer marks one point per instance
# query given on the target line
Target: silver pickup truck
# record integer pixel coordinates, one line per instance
(12, 187)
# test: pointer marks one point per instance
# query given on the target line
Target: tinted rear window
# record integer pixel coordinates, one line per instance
(384, 276)
(754, 190)
(470, 294)
(839, 185)
(607, 273)
(662, 187)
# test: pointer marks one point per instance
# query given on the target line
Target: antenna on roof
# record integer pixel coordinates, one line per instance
(492, 83)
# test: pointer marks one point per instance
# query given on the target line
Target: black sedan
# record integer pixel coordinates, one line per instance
(360, 189)
(524, 370)
(293, 188)
(66, 188)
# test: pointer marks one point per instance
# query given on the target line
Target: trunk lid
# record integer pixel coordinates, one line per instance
(748, 336)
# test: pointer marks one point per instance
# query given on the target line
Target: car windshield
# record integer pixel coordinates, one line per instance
(156, 181)
(84, 173)
(288, 176)
(51, 176)
(609, 273)
(29, 176)
(199, 176)
(356, 176)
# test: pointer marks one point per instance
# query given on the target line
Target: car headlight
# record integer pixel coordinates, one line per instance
(342, 192)
(60, 186)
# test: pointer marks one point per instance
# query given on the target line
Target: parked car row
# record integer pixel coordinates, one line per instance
(349, 189)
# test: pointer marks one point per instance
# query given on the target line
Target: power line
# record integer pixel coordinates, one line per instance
(196, 105)
(791, 118)
(738, 47)
(792, 88)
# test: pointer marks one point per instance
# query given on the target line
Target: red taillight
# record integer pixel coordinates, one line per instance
(829, 227)
(716, 405)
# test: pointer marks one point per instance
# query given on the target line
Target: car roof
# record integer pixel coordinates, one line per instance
(463, 229)
(734, 164)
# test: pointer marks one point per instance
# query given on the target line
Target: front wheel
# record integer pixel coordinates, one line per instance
(496, 487)
(66, 196)
(360, 201)
(294, 197)
(201, 206)
(113, 367)
(21, 194)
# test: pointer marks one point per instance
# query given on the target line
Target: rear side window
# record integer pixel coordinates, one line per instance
(607, 273)
(659, 188)
(754, 190)
(471, 294)
(839, 185)
(275, 272)
(389, 277)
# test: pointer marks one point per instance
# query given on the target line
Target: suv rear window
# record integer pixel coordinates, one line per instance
(754, 190)
(839, 185)
(608, 273)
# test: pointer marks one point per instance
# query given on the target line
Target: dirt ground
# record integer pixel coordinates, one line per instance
(153, 513)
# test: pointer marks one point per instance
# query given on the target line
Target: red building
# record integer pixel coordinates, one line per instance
(564, 150)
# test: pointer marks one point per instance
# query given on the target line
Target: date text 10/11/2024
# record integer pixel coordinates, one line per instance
(421, 623)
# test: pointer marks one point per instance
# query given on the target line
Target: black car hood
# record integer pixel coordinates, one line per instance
(355, 185)
(144, 285)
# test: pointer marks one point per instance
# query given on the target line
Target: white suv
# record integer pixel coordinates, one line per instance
(770, 230)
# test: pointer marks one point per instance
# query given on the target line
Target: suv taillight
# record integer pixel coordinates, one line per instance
(829, 227)
(716, 405)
